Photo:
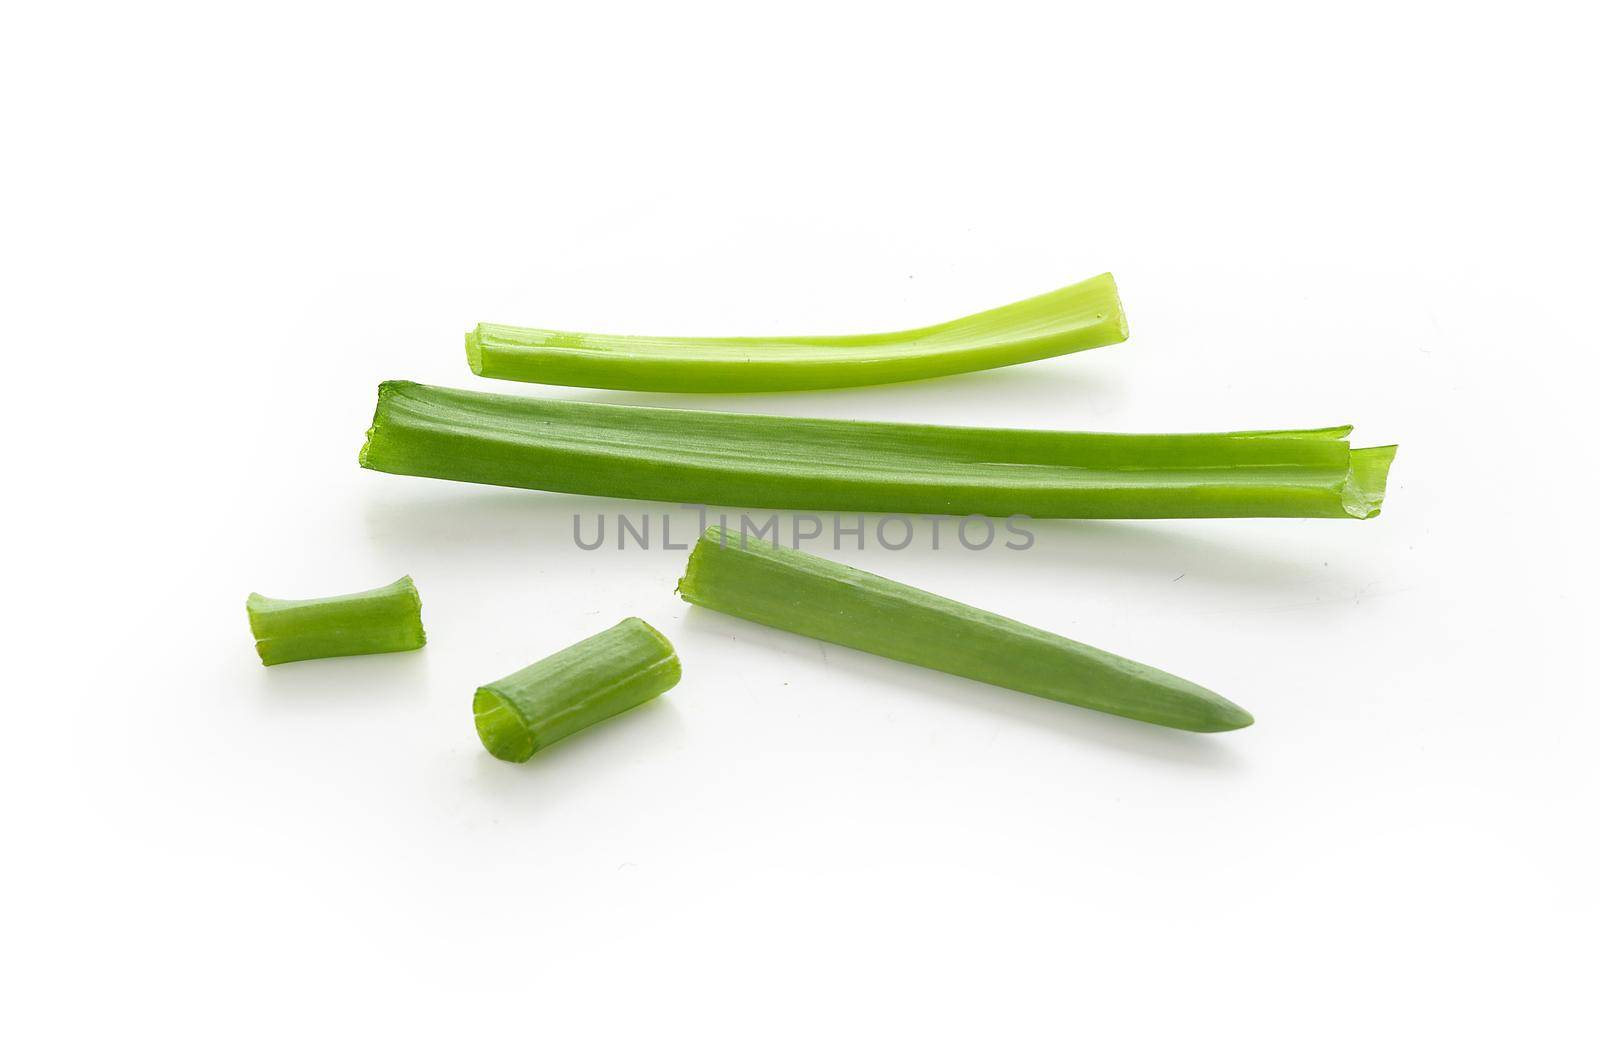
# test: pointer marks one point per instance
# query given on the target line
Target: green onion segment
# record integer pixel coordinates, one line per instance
(1086, 315)
(388, 619)
(743, 576)
(585, 683)
(764, 461)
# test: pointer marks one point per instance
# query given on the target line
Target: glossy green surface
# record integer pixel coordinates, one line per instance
(585, 683)
(744, 576)
(762, 461)
(1086, 315)
(388, 619)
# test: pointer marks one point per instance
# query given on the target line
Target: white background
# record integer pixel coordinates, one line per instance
(224, 224)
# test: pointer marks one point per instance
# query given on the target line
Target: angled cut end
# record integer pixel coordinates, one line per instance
(503, 732)
(1367, 481)
(635, 623)
(386, 390)
(475, 351)
(1087, 314)
(714, 536)
(1116, 318)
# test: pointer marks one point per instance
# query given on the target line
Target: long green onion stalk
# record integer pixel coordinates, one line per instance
(742, 576)
(1086, 315)
(388, 619)
(762, 461)
(595, 679)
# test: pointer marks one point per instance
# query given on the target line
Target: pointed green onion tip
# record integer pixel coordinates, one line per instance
(746, 577)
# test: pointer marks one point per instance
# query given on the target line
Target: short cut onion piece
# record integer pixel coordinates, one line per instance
(1085, 315)
(743, 576)
(388, 619)
(591, 681)
(764, 461)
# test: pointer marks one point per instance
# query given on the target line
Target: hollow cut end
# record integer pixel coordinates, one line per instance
(1367, 481)
(503, 731)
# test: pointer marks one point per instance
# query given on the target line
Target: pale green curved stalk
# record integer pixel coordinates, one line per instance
(743, 576)
(1086, 315)
(756, 460)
